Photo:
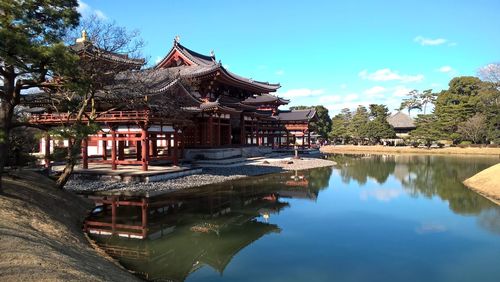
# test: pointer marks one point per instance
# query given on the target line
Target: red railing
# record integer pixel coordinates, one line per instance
(109, 116)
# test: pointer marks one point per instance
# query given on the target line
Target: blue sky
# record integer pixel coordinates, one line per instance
(334, 53)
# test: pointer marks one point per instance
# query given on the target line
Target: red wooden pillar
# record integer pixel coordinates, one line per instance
(144, 209)
(309, 139)
(144, 149)
(175, 157)
(85, 155)
(243, 134)
(104, 148)
(47, 151)
(303, 139)
(287, 139)
(252, 132)
(210, 131)
(138, 148)
(183, 141)
(218, 131)
(154, 145)
(229, 131)
(113, 215)
(121, 147)
(113, 149)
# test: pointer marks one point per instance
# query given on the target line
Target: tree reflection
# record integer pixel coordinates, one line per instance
(422, 175)
(362, 167)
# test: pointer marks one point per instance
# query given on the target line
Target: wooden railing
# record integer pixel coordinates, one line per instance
(109, 116)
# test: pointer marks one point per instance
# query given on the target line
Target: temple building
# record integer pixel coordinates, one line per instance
(402, 124)
(187, 100)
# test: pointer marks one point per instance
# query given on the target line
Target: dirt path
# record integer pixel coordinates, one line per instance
(486, 183)
(351, 149)
(41, 237)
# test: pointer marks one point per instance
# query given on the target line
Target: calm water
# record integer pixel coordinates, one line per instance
(379, 218)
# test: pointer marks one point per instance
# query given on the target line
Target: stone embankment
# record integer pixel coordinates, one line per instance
(486, 183)
(208, 176)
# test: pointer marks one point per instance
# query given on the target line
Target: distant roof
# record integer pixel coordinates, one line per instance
(89, 48)
(401, 120)
(265, 99)
(298, 115)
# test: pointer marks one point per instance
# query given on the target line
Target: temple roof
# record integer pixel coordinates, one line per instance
(297, 115)
(401, 120)
(265, 99)
(86, 47)
(191, 64)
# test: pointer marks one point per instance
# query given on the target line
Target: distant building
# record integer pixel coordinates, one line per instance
(402, 124)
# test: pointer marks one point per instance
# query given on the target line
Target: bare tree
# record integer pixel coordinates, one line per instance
(104, 50)
(474, 129)
(490, 73)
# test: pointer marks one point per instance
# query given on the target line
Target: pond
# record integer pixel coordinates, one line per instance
(370, 218)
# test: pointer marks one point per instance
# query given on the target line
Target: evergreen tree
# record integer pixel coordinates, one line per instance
(359, 124)
(378, 127)
(340, 126)
(456, 105)
(426, 129)
(31, 51)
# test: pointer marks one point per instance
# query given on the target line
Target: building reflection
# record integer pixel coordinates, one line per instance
(186, 230)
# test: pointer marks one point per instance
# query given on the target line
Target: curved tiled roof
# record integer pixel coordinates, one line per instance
(401, 120)
(297, 115)
(203, 65)
(265, 99)
(89, 48)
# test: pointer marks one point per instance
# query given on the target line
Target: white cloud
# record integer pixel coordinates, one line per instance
(351, 97)
(85, 10)
(388, 75)
(343, 86)
(445, 69)
(336, 107)
(429, 41)
(380, 194)
(375, 90)
(330, 99)
(301, 92)
(280, 72)
(401, 91)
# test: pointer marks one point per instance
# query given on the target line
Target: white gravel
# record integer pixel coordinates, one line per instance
(208, 176)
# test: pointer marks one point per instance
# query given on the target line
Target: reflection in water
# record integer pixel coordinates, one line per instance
(428, 176)
(201, 227)
(302, 236)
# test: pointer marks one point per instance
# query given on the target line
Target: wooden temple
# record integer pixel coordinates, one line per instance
(214, 108)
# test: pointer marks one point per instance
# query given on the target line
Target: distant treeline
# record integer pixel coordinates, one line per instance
(468, 112)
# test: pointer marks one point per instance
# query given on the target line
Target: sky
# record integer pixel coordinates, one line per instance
(333, 53)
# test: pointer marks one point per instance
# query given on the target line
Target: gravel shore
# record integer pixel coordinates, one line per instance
(208, 176)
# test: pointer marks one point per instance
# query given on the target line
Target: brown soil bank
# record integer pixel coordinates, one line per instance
(351, 149)
(486, 183)
(41, 237)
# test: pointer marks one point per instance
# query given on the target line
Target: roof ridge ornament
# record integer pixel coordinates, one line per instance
(84, 37)
(212, 54)
(177, 39)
